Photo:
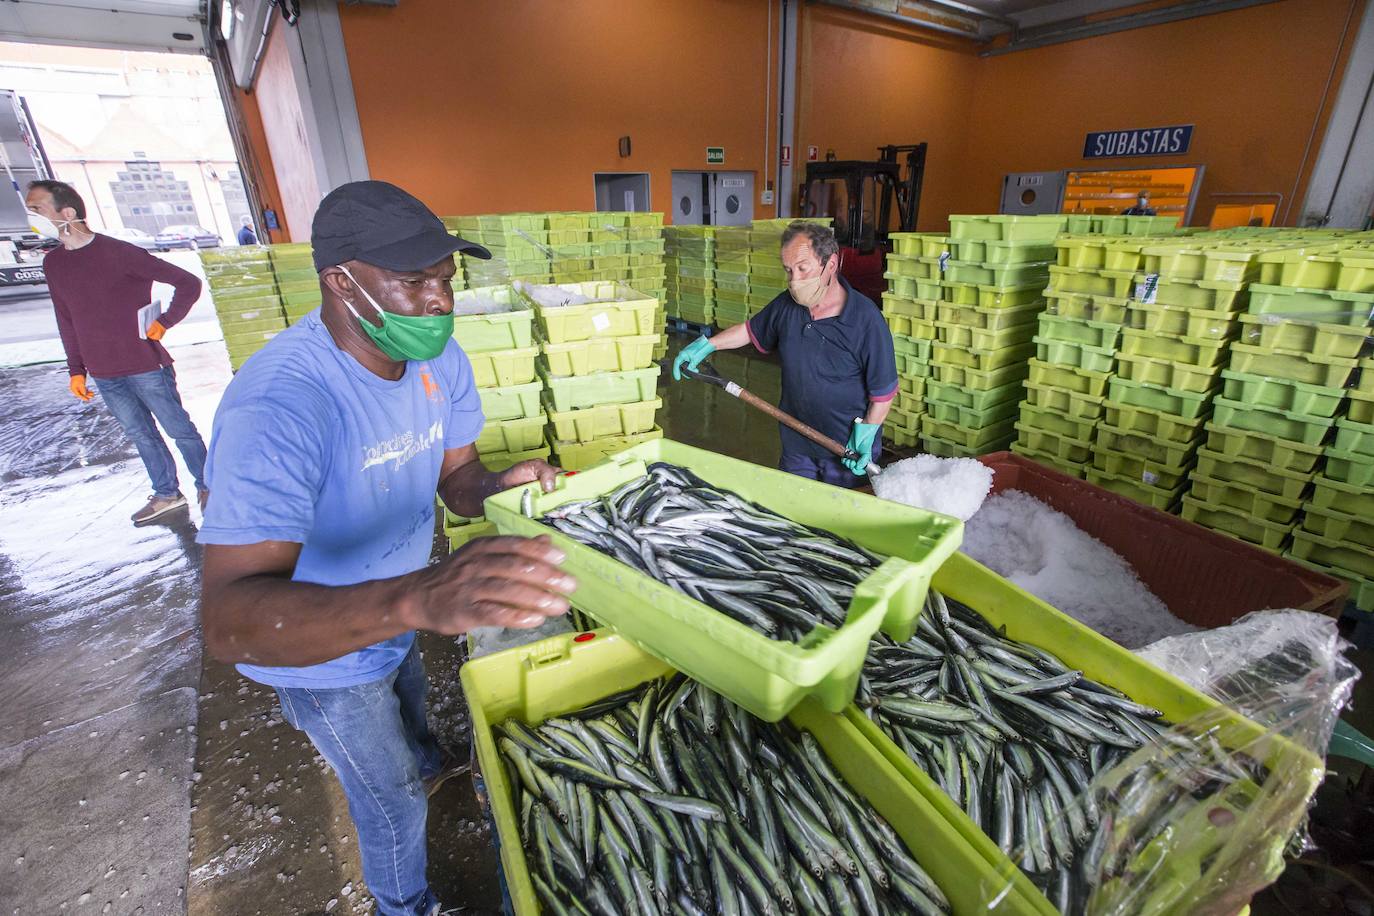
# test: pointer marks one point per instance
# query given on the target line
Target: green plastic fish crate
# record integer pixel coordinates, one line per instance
(1019, 252)
(1280, 424)
(1192, 351)
(457, 537)
(630, 315)
(1315, 304)
(984, 341)
(914, 403)
(1156, 423)
(911, 347)
(1268, 535)
(560, 675)
(907, 244)
(1140, 470)
(899, 286)
(1357, 271)
(932, 246)
(1296, 335)
(1350, 468)
(1357, 438)
(1100, 334)
(1156, 497)
(1263, 506)
(1361, 588)
(1055, 422)
(1064, 448)
(972, 437)
(253, 328)
(576, 392)
(607, 420)
(1188, 405)
(999, 275)
(1333, 494)
(768, 677)
(959, 293)
(511, 402)
(1084, 307)
(1303, 266)
(1281, 394)
(1149, 448)
(1181, 322)
(903, 421)
(578, 456)
(1278, 452)
(945, 448)
(962, 228)
(502, 368)
(980, 379)
(1208, 295)
(1078, 381)
(988, 319)
(1070, 468)
(916, 268)
(1254, 474)
(1120, 255)
(904, 438)
(915, 309)
(1039, 228)
(1359, 407)
(511, 435)
(1114, 283)
(930, 289)
(975, 399)
(605, 354)
(1077, 356)
(971, 418)
(1080, 252)
(956, 356)
(1341, 527)
(1008, 297)
(968, 250)
(911, 367)
(506, 330)
(902, 326)
(1166, 373)
(1065, 402)
(1354, 557)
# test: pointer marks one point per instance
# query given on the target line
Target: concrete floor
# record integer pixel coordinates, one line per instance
(142, 777)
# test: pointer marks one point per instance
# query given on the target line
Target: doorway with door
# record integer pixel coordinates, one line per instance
(713, 198)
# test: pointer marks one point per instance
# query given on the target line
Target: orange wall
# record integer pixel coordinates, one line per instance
(866, 82)
(477, 107)
(1250, 80)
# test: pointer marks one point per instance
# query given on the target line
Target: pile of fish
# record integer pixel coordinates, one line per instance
(671, 799)
(1011, 734)
(770, 573)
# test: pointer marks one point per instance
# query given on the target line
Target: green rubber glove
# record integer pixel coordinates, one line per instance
(692, 355)
(861, 440)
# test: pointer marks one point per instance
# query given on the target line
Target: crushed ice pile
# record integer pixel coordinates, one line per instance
(1042, 551)
(951, 486)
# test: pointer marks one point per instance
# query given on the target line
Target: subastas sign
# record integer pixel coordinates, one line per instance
(1146, 141)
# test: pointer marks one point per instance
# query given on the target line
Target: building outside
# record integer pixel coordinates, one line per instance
(141, 135)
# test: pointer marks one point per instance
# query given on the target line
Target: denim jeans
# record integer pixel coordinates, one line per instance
(135, 400)
(827, 470)
(376, 739)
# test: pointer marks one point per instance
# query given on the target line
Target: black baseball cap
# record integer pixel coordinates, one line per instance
(378, 223)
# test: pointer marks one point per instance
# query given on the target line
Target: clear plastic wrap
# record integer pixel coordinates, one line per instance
(1198, 820)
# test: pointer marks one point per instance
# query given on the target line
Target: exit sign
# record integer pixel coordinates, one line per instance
(715, 155)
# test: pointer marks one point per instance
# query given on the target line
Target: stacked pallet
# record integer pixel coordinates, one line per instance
(690, 258)
(243, 289)
(731, 275)
(596, 343)
(628, 247)
(519, 246)
(910, 308)
(297, 280)
(767, 279)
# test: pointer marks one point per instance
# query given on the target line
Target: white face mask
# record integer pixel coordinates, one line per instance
(46, 227)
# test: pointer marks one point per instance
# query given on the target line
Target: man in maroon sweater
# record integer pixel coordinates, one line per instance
(97, 285)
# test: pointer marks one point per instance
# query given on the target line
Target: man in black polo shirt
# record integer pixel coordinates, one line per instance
(839, 374)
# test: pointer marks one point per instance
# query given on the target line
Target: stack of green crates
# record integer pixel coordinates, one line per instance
(244, 291)
(298, 283)
(518, 242)
(910, 308)
(767, 279)
(990, 276)
(597, 366)
(690, 253)
(731, 274)
(628, 247)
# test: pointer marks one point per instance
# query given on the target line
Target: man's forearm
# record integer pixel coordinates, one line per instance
(878, 411)
(732, 338)
(467, 488)
(274, 621)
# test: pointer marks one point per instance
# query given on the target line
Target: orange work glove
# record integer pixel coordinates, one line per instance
(78, 387)
(156, 330)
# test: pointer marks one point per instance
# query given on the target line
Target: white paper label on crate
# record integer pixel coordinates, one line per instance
(601, 321)
(944, 259)
(1145, 292)
(1149, 477)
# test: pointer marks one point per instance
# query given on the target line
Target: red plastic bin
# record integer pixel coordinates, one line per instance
(1205, 578)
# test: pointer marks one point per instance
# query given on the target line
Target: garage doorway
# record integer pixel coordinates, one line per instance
(617, 191)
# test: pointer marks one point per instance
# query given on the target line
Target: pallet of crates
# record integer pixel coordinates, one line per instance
(731, 274)
(694, 272)
(594, 349)
(912, 323)
(518, 243)
(243, 288)
(1281, 393)
(298, 282)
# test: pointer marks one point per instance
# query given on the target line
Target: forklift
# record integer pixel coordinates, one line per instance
(859, 196)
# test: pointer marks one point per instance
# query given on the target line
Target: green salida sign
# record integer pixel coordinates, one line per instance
(715, 155)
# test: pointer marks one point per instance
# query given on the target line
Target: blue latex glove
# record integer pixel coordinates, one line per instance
(692, 355)
(861, 440)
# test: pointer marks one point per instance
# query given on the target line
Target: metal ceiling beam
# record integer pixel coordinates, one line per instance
(854, 6)
(1053, 34)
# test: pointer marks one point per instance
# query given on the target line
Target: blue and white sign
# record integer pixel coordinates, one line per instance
(1148, 141)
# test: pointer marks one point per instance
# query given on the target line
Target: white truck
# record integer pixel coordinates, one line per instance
(22, 160)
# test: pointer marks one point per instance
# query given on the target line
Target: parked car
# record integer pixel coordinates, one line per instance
(187, 236)
(137, 237)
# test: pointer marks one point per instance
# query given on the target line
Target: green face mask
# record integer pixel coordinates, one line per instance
(404, 337)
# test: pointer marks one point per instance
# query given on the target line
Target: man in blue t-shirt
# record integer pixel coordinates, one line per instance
(839, 372)
(326, 453)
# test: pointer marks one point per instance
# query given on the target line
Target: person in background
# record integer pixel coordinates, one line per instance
(97, 285)
(246, 234)
(327, 451)
(839, 371)
(1142, 206)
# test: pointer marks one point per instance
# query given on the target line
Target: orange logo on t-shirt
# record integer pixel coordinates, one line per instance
(431, 386)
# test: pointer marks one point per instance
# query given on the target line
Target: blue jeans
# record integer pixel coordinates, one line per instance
(135, 400)
(827, 470)
(376, 738)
